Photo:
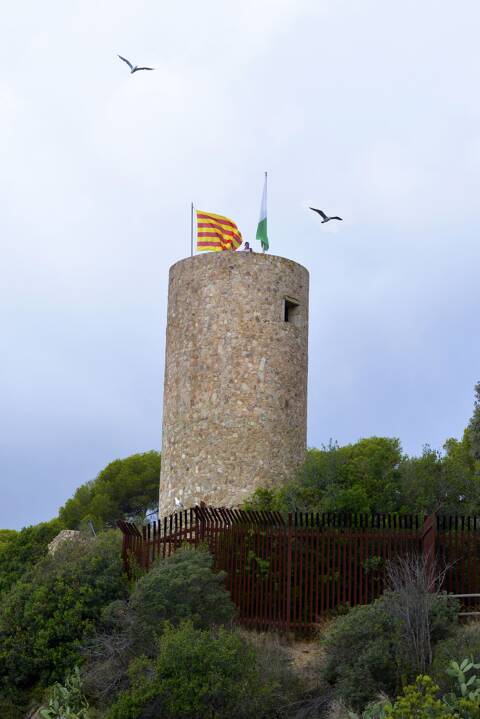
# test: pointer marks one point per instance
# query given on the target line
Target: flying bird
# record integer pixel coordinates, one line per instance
(134, 68)
(325, 217)
(178, 503)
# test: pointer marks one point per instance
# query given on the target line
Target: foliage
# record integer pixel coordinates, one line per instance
(21, 550)
(362, 655)
(181, 587)
(125, 488)
(423, 699)
(367, 651)
(197, 673)
(11, 709)
(416, 602)
(468, 684)
(419, 701)
(360, 477)
(474, 426)
(50, 610)
(465, 642)
(67, 700)
(373, 475)
(5, 536)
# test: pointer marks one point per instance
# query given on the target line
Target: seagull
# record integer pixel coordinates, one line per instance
(325, 217)
(134, 68)
(178, 503)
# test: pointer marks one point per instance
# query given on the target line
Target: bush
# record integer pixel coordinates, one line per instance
(367, 652)
(465, 642)
(181, 587)
(9, 709)
(362, 654)
(67, 700)
(20, 551)
(197, 673)
(54, 607)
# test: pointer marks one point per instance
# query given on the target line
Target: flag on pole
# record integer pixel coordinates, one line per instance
(216, 233)
(262, 236)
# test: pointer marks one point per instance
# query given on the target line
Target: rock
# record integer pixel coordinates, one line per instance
(66, 535)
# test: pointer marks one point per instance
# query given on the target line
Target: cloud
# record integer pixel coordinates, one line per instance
(365, 110)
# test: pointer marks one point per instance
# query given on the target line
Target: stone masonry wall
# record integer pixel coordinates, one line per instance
(235, 393)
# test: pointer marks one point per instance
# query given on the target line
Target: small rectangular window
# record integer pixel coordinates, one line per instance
(291, 311)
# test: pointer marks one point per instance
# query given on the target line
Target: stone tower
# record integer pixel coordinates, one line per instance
(235, 392)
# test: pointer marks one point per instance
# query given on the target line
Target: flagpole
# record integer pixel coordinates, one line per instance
(266, 190)
(191, 231)
(265, 201)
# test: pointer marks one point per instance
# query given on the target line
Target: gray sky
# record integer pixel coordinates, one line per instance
(366, 109)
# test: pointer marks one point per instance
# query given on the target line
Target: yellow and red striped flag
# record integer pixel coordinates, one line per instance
(216, 233)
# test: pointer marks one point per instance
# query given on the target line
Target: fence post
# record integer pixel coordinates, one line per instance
(429, 533)
(289, 575)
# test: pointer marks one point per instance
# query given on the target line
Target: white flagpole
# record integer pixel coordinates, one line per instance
(266, 207)
(191, 231)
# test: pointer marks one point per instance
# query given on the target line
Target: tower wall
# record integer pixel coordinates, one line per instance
(235, 392)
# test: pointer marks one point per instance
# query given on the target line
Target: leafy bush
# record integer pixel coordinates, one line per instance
(465, 642)
(366, 651)
(10, 709)
(180, 587)
(67, 700)
(197, 673)
(183, 586)
(422, 700)
(48, 612)
(362, 654)
(20, 551)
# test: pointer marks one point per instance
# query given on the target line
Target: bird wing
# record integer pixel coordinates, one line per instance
(127, 61)
(319, 212)
(336, 218)
(144, 68)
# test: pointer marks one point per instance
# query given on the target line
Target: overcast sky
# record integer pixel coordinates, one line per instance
(369, 110)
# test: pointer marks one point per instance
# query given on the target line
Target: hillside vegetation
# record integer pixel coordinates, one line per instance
(82, 640)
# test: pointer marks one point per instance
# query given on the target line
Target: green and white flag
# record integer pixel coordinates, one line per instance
(262, 236)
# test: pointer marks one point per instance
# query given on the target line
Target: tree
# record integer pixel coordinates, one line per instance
(474, 426)
(53, 607)
(360, 477)
(125, 488)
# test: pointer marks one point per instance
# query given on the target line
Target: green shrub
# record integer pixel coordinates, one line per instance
(48, 612)
(9, 709)
(67, 700)
(362, 654)
(182, 587)
(424, 700)
(420, 701)
(20, 551)
(465, 642)
(367, 651)
(197, 674)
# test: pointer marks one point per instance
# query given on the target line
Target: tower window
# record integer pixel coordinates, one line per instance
(291, 310)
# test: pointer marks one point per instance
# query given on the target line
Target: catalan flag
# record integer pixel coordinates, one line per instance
(216, 233)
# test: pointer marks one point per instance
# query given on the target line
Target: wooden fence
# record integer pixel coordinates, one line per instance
(284, 573)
